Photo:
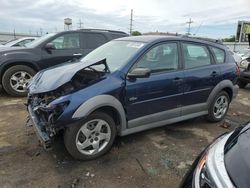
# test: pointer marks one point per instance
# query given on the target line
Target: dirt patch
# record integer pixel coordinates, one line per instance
(153, 158)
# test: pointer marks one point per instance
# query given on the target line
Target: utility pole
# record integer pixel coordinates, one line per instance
(41, 31)
(14, 33)
(131, 22)
(189, 26)
(80, 24)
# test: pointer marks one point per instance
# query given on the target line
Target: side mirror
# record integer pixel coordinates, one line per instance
(50, 46)
(139, 73)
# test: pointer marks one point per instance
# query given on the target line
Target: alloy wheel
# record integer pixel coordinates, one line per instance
(19, 80)
(220, 107)
(93, 137)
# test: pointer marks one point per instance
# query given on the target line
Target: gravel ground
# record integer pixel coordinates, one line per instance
(154, 158)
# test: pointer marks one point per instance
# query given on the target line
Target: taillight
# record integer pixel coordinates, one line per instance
(237, 70)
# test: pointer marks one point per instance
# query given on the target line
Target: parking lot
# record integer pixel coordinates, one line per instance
(154, 158)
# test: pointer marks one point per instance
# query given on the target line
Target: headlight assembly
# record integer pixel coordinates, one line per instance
(244, 64)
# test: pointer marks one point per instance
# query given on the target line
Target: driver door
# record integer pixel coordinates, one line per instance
(157, 97)
(67, 47)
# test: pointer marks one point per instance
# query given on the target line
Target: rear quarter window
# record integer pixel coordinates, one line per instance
(115, 36)
(219, 54)
(93, 40)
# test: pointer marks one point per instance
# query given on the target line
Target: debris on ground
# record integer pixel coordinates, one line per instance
(75, 182)
(142, 168)
(225, 124)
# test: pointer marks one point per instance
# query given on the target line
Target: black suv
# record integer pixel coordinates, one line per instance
(18, 65)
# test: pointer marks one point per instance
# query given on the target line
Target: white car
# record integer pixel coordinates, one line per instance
(236, 57)
(244, 53)
(19, 42)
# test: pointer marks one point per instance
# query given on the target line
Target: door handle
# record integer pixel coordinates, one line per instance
(214, 73)
(177, 80)
(78, 54)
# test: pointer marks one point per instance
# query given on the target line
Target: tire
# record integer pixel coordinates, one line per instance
(21, 73)
(242, 84)
(218, 107)
(81, 145)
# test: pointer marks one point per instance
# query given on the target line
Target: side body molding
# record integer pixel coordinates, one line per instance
(101, 101)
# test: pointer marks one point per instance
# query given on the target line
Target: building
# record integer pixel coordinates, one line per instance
(243, 31)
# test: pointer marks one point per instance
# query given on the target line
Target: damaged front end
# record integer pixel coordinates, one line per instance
(46, 109)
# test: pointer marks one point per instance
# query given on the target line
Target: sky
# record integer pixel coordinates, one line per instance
(211, 18)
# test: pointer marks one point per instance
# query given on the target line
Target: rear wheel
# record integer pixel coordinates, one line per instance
(92, 137)
(219, 107)
(16, 78)
(242, 84)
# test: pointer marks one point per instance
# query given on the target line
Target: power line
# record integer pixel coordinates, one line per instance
(198, 28)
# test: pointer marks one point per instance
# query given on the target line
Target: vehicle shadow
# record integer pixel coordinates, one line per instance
(177, 131)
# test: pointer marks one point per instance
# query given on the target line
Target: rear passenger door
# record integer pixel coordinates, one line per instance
(92, 41)
(200, 76)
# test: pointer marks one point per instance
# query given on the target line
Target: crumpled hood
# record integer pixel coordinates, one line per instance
(52, 78)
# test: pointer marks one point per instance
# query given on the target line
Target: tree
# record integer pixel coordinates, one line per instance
(136, 33)
(230, 39)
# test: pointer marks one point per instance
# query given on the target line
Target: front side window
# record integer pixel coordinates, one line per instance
(67, 41)
(161, 58)
(195, 55)
(219, 55)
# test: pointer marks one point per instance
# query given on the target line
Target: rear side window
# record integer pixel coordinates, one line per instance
(195, 55)
(93, 40)
(219, 55)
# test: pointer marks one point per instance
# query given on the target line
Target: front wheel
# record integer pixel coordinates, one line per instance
(16, 78)
(219, 107)
(90, 138)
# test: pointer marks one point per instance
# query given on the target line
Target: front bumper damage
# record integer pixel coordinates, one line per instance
(39, 128)
(43, 116)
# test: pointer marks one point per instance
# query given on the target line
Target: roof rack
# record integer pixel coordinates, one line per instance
(104, 30)
(218, 41)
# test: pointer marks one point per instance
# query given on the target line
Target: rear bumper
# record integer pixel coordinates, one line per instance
(39, 129)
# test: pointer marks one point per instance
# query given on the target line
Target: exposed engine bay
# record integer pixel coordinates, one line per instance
(48, 114)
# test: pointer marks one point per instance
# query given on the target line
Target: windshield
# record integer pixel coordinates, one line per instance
(39, 40)
(10, 43)
(116, 53)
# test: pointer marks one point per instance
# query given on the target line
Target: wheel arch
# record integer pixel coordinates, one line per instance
(104, 103)
(15, 63)
(225, 85)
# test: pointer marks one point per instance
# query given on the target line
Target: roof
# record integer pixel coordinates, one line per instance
(159, 38)
(96, 30)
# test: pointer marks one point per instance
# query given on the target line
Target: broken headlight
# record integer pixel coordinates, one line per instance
(56, 110)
